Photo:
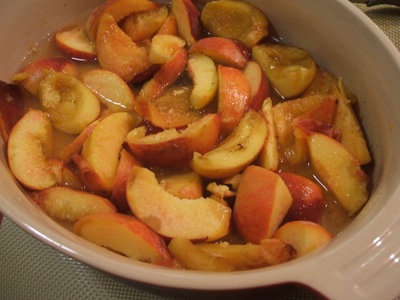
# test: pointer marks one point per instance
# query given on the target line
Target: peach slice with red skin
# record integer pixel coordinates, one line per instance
(125, 235)
(233, 97)
(67, 204)
(187, 17)
(172, 148)
(143, 25)
(223, 51)
(29, 148)
(308, 198)
(74, 43)
(117, 52)
(169, 26)
(118, 9)
(170, 216)
(259, 85)
(303, 236)
(32, 74)
(262, 202)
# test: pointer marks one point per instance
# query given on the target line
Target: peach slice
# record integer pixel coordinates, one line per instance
(269, 154)
(259, 85)
(29, 148)
(235, 20)
(303, 236)
(187, 17)
(68, 204)
(66, 175)
(339, 170)
(233, 97)
(290, 70)
(236, 151)
(262, 202)
(308, 198)
(203, 73)
(69, 103)
(223, 51)
(169, 26)
(126, 162)
(118, 9)
(74, 43)
(102, 148)
(172, 148)
(163, 47)
(117, 52)
(110, 89)
(250, 256)
(193, 258)
(11, 108)
(170, 216)
(125, 235)
(32, 74)
(143, 25)
(186, 184)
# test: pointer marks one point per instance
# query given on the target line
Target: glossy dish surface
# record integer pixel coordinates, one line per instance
(361, 262)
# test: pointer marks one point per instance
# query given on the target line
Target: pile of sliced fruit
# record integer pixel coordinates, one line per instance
(192, 140)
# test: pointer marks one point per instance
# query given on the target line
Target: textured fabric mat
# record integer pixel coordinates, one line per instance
(30, 269)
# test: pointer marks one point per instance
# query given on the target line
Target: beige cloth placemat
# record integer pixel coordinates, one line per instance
(30, 269)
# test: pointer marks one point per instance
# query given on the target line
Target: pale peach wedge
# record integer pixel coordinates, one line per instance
(102, 148)
(262, 202)
(170, 216)
(163, 47)
(143, 25)
(223, 51)
(172, 148)
(303, 236)
(339, 170)
(186, 184)
(117, 52)
(29, 148)
(69, 103)
(236, 151)
(187, 17)
(67, 204)
(290, 70)
(125, 235)
(74, 43)
(118, 9)
(234, 96)
(32, 74)
(110, 89)
(259, 85)
(203, 73)
(235, 20)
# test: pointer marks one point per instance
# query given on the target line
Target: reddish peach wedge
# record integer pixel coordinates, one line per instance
(125, 235)
(29, 148)
(110, 89)
(234, 94)
(118, 9)
(187, 17)
(259, 85)
(262, 202)
(339, 170)
(223, 51)
(308, 198)
(117, 52)
(169, 26)
(203, 73)
(163, 47)
(11, 108)
(102, 148)
(67, 204)
(187, 185)
(143, 25)
(32, 74)
(235, 152)
(170, 216)
(74, 43)
(172, 148)
(303, 236)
